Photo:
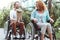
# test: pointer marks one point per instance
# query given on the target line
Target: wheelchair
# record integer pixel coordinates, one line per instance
(35, 32)
(9, 34)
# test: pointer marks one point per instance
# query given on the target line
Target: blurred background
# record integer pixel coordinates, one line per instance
(27, 7)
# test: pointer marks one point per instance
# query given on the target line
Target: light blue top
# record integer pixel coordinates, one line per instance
(40, 17)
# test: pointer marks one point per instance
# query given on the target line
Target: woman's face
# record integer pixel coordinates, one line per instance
(39, 5)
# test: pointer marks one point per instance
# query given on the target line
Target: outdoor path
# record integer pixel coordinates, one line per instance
(2, 35)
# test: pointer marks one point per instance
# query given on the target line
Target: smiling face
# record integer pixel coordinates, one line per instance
(39, 5)
(16, 5)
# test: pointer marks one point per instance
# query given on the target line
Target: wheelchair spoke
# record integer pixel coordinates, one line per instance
(28, 29)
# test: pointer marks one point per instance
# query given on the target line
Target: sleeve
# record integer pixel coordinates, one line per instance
(47, 13)
(33, 15)
(11, 15)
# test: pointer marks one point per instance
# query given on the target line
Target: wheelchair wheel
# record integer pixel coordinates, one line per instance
(54, 35)
(10, 35)
(54, 38)
(48, 38)
(30, 31)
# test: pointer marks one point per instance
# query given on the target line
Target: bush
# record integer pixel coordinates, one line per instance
(57, 23)
(3, 16)
(26, 17)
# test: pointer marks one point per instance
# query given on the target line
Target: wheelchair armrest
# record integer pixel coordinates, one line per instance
(48, 21)
(8, 18)
(32, 21)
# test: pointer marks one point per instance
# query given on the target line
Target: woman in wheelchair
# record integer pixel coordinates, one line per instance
(16, 19)
(40, 16)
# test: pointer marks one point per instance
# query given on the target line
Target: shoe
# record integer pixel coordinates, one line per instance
(13, 36)
(22, 36)
(18, 36)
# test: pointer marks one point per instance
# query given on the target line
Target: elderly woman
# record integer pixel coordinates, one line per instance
(40, 16)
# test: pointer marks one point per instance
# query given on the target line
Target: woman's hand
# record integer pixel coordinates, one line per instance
(35, 20)
(51, 20)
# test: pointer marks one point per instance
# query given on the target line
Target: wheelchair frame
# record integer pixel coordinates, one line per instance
(33, 30)
(10, 31)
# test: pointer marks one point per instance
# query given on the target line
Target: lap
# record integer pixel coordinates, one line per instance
(16, 23)
(43, 24)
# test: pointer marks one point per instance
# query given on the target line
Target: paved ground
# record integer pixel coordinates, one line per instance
(2, 35)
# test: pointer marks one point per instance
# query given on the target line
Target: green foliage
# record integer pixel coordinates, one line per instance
(57, 35)
(57, 23)
(26, 16)
(57, 13)
(57, 9)
(5, 12)
(3, 16)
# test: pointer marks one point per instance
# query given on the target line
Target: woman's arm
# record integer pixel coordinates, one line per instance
(48, 17)
(51, 20)
(33, 14)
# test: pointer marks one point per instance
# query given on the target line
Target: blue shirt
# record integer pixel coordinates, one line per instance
(44, 17)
